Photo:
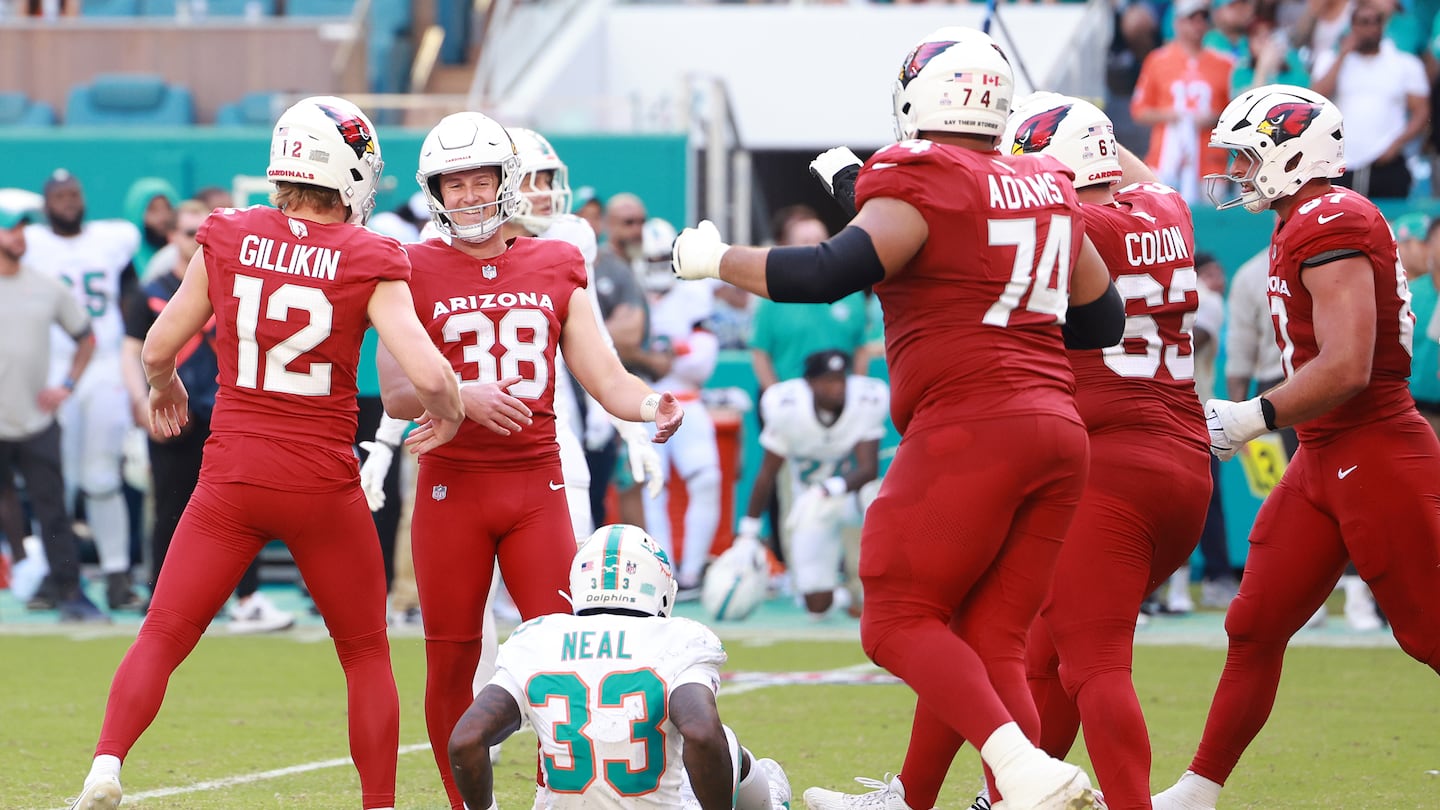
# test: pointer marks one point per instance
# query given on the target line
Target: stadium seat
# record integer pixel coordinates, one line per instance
(319, 8)
(110, 8)
(16, 109)
(213, 8)
(129, 99)
(252, 110)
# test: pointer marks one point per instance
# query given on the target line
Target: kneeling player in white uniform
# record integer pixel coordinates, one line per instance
(621, 697)
(828, 425)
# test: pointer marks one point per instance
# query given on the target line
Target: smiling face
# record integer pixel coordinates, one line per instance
(463, 192)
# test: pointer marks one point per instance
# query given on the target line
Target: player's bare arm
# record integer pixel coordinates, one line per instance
(52, 397)
(707, 753)
(179, 321)
(761, 490)
(489, 721)
(882, 239)
(1343, 295)
(599, 370)
(866, 467)
(392, 311)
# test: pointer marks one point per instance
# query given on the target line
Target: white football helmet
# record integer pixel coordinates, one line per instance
(461, 142)
(620, 566)
(1069, 129)
(737, 581)
(956, 80)
(328, 142)
(657, 237)
(537, 155)
(1289, 136)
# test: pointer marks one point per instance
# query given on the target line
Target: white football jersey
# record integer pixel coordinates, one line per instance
(815, 451)
(675, 317)
(90, 264)
(596, 689)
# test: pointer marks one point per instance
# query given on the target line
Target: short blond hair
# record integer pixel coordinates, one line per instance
(302, 195)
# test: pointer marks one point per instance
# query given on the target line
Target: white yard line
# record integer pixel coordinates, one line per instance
(340, 762)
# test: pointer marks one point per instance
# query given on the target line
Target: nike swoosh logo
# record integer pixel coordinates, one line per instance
(1344, 473)
(1324, 219)
(554, 487)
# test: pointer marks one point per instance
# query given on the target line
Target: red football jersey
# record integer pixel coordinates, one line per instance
(972, 323)
(1147, 239)
(290, 299)
(1342, 220)
(495, 318)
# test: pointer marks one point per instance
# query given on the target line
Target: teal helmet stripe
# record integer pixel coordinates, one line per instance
(610, 564)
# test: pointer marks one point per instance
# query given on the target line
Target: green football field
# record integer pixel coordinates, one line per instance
(256, 722)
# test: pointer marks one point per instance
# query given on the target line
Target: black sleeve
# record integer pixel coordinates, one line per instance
(1096, 325)
(136, 313)
(823, 273)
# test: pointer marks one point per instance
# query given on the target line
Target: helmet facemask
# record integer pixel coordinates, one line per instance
(537, 208)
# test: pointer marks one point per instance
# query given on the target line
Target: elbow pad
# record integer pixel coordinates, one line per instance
(1096, 325)
(823, 273)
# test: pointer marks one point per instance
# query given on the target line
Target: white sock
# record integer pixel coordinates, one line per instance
(753, 792)
(106, 766)
(1004, 746)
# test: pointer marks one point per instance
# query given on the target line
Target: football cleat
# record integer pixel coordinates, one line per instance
(102, 794)
(884, 794)
(1042, 782)
(779, 783)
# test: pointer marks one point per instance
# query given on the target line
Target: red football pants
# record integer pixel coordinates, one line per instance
(332, 538)
(1372, 497)
(1138, 521)
(956, 557)
(463, 522)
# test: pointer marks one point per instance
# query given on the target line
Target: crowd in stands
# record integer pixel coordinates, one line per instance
(1174, 65)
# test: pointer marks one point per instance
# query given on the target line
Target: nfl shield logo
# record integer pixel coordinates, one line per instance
(438, 492)
(488, 271)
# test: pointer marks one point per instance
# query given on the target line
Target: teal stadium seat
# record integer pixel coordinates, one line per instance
(319, 8)
(213, 8)
(110, 8)
(133, 99)
(252, 110)
(17, 110)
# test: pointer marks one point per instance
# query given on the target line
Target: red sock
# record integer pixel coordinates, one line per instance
(449, 670)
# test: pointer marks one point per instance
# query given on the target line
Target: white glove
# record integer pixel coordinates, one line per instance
(135, 459)
(1232, 424)
(373, 472)
(697, 252)
(817, 504)
(748, 529)
(644, 461)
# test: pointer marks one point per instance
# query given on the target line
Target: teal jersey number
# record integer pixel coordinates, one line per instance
(614, 688)
(93, 283)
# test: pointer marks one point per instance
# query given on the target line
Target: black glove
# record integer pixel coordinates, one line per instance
(837, 170)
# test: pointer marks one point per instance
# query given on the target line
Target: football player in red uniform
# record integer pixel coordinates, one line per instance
(1365, 483)
(497, 309)
(1149, 487)
(971, 253)
(290, 290)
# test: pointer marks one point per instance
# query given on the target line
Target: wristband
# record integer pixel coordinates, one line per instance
(69, 384)
(835, 486)
(749, 527)
(1267, 410)
(648, 406)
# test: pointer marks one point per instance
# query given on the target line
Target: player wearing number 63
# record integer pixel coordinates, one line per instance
(971, 253)
(1364, 486)
(621, 696)
(1149, 487)
(290, 292)
(497, 309)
